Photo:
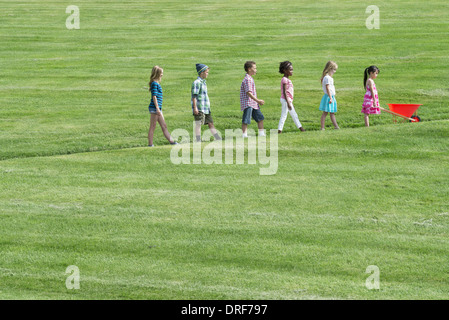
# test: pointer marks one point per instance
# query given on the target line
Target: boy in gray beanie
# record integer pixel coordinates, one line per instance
(201, 104)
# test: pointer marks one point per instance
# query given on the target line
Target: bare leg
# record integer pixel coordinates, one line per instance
(334, 121)
(163, 125)
(244, 127)
(260, 127)
(198, 129)
(214, 131)
(153, 122)
(366, 120)
(212, 128)
(323, 119)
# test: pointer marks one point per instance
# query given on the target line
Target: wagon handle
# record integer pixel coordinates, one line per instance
(397, 114)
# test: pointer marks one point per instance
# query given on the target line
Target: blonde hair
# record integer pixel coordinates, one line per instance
(329, 66)
(155, 74)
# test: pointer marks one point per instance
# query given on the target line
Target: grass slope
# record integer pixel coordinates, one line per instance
(139, 226)
(77, 189)
(66, 91)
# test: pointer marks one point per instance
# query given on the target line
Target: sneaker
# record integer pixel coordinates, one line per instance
(174, 142)
(302, 129)
(245, 135)
(262, 134)
(151, 145)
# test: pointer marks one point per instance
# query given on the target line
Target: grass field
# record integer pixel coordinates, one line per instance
(80, 187)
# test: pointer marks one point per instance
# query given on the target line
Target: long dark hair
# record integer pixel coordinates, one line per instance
(367, 72)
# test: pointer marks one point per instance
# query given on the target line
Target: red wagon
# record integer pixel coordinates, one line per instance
(404, 111)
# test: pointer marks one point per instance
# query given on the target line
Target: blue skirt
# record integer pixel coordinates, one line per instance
(326, 106)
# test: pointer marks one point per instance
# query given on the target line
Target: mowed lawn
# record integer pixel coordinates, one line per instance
(138, 226)
(66, 91)
(80, 187)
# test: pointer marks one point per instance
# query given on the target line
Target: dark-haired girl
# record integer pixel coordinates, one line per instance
(371, 98)
(286, 68)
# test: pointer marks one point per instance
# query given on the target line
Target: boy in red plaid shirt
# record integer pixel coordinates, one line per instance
(249, 103)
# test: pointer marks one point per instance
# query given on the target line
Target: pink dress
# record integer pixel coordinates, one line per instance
(368, 106)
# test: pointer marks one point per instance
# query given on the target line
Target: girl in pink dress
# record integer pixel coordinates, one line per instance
(371, 99)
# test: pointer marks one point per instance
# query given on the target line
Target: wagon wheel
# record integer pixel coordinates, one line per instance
(416, 118)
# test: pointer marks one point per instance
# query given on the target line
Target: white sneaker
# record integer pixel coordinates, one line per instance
(262, 134)
(245, 135)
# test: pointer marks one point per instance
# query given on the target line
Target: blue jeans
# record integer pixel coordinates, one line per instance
(255, 113)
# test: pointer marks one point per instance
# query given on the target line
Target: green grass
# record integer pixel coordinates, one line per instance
(78, 188)
(137, 227)
(67, 91)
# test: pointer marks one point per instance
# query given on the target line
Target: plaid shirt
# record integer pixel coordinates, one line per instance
(199, 88)
(248, 85)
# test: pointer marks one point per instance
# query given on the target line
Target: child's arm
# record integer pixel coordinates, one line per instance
(289, 104)
(370, 86)
(259, 101)
(329, 93)
(195, 108)
(195, 92)
(158, 111)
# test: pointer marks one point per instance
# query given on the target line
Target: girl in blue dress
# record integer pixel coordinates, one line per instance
(328, 103)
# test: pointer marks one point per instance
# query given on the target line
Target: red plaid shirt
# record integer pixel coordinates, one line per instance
(248, 85)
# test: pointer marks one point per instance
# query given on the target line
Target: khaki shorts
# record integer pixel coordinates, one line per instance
(204, 118)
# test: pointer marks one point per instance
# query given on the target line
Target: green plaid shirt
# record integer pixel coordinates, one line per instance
(199, 89)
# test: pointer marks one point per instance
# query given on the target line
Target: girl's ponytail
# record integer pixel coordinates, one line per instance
(365, 77)
(367, 72)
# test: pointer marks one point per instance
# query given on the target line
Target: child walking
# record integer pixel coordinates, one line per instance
(201, 104)
(155, 106)
(249, 103)
(371, 98)
(287, 91)
(328, 103)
